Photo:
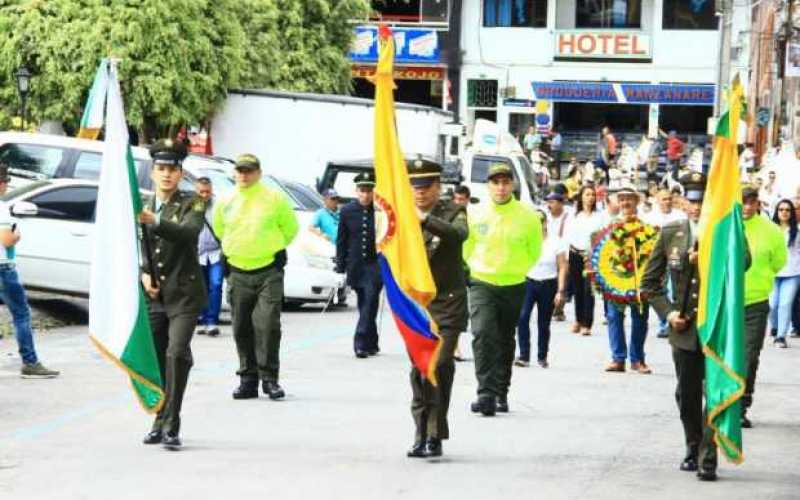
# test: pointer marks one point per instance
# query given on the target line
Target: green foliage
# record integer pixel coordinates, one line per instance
(178, 57)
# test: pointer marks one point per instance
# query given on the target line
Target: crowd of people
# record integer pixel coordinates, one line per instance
(493, 262)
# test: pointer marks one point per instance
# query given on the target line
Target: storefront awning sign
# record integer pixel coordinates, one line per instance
(625, 93)
(411, 45)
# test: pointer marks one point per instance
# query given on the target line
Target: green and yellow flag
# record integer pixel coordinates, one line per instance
(721, 268)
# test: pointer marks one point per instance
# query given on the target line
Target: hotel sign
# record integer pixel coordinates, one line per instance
(587, 44)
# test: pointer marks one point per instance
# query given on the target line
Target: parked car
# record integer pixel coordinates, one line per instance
(57, 217)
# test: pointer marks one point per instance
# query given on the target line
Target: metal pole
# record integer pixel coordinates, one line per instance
(724, 61)
(23, 112)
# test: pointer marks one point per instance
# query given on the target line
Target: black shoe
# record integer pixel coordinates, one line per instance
(434, 447)
(373, 352)
(273, 390)
(689, 464)
(707, 474)
(171, 441)
(543, 363)
(773, 332)
(361, 354)
(485, 406)
(746, 423)
(417, 450)
(502, 404)
(780, 343)
(246, 390)
(213, 332)
(153, 437)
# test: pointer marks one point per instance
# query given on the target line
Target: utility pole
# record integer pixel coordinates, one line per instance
(725, 14)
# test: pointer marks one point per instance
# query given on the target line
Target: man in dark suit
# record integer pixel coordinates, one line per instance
(357, 256)
(675, 256)
(444, 229)
(177, 293)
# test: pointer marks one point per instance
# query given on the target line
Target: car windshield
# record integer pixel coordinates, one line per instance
(220, 181)
(32, 161)
(527, 173)
(310, 200)
(274, 183)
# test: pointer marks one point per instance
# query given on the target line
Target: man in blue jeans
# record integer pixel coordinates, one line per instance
(209, 254)
(628, 199)
(12, 293)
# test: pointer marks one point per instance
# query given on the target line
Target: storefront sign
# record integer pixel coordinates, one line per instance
(410, 45)
(402, 72)
(519, 103)
(582, 44)
(625, 93)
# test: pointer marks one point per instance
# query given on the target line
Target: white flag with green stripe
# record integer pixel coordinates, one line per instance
(118, 322)
(92, 120)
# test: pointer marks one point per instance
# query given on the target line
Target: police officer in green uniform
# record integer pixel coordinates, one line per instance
(171, 222)
(444, 229)
(675, 257)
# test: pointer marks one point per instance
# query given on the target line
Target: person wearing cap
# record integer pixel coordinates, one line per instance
(557, 215)
(172, 222)
(628, 199)
(674, 258)
(255, 224)
(444, 230)
(356, 255)
(12, 292)
(769, 254)
(505, 241)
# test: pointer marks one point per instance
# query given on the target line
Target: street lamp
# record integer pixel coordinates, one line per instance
(23, 86)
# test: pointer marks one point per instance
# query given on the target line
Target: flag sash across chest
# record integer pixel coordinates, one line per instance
(118, 320)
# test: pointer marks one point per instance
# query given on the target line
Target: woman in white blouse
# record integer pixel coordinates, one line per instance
(578, 233)
(787, 280)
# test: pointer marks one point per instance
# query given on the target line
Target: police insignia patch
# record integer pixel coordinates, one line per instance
(198, 206)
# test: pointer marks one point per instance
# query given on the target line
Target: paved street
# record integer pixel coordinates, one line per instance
(574, 432)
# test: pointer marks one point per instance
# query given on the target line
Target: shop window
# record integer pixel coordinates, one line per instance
(608, 14)
(689, 15)
(515, 13)
(413, 11)
(482, 93)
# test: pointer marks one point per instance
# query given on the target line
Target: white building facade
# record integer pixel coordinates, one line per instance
(635, 65)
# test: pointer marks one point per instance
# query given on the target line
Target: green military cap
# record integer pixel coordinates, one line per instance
(496, 169)
(366, 179)
(247, 161)
(168, 152)
(749, 192)
(423, 172)
(694, 186)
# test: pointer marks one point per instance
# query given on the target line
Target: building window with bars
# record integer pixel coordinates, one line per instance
(482, 93)
(515, 13)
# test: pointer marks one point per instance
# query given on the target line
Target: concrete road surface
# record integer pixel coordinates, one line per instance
(574, 432)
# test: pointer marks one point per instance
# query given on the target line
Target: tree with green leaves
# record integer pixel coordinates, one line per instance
(177, 57)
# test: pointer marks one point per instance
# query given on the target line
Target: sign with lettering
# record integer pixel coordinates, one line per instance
(411, 45)
(605, 44)
(402, 72)
(626, 93)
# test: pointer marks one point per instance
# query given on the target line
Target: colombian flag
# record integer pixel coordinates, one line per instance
(402, 257)
(720, 316)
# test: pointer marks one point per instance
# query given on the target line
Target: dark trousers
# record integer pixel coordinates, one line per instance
(582, 290)
(171, 337)
(494, 313)
(555, 171)
(429, 404)
(542, 294)
(690, 370)
(755, 327)
(366, 336)
(256, 300)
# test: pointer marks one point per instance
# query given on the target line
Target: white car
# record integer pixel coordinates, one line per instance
(56, 223)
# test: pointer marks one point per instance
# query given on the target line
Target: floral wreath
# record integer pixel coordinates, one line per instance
(618, 259)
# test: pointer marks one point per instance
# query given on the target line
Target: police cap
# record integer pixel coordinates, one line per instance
(247, 161)
(365, 179)
(694, 186)
(168, 152)
(498, 169)
(423, 173)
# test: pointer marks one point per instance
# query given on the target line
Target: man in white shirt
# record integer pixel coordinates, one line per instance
(556, 221)
(212, 265)
(664, 213)
(13, 294)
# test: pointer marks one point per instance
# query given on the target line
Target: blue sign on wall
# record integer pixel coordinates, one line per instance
(574, 92)
(688, 95)
(411, 45)
(626, 93)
